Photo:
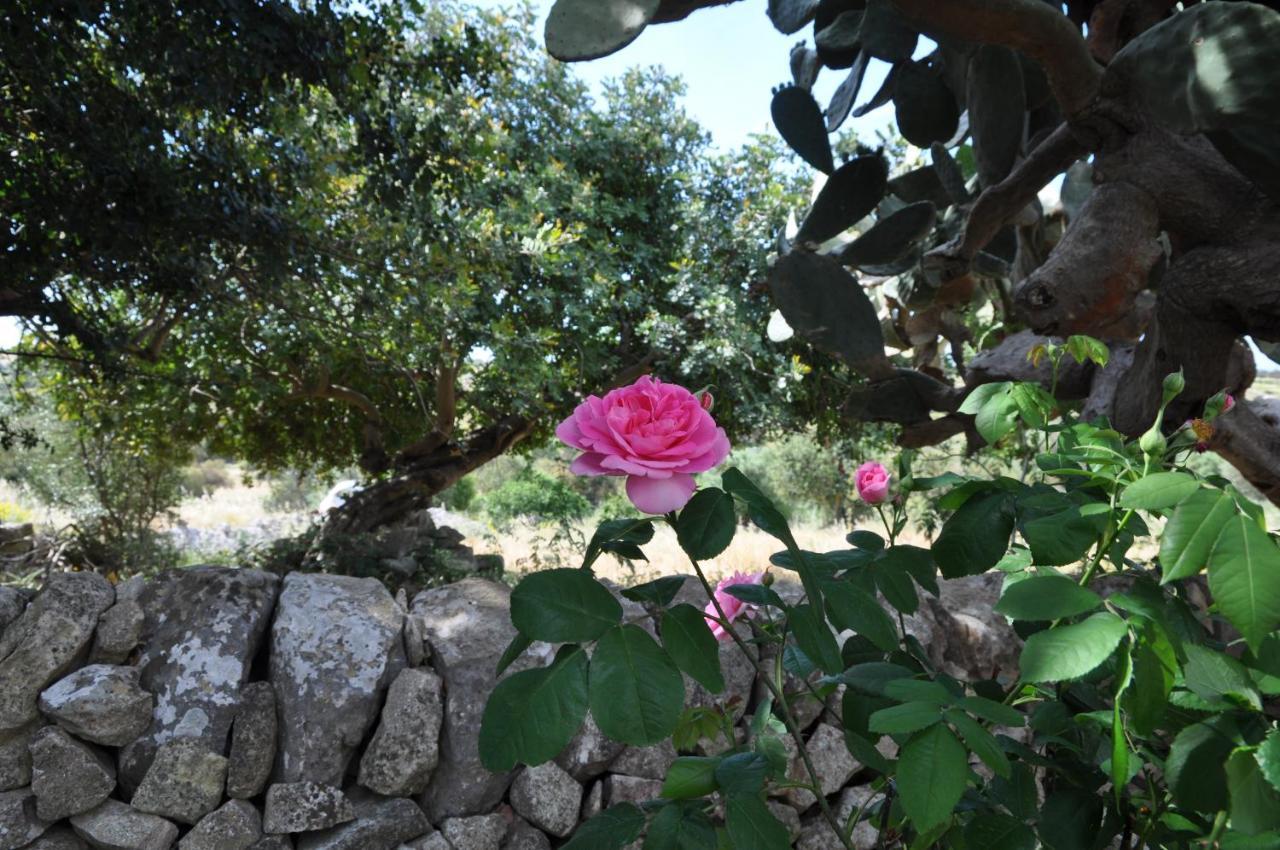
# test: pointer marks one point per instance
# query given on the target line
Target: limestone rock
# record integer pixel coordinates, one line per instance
(68, 777)
(831, 760)
(184, 782)
(964, 636)
(43, 643)
(101, 703)
(381, 823)
(523, 836)
(120, 627)
(203, 627)
(548, 797)
(274, 842)
(58, 838)
(235, 826)
(789, 817)
(114, 826)
(589, 752)
(304, 806)
(19, 823)
(467, 625)
(15, 757)
(12, 603)
(431, 841)
(334, 648)
(593, 803)
(254, 736)
(404, 751)
(481, 832)
(630, 789)
(645, 762)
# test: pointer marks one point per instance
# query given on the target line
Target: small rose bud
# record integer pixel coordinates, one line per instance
(1174, 383)
(706, 399)
(768, 579)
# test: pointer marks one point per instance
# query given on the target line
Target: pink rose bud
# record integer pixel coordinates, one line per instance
(872, 480)
(730, 604)
(706, 399)
(657, 435)
(1228, 402)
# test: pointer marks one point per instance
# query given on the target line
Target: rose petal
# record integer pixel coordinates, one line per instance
(590, 464)
(660, 495)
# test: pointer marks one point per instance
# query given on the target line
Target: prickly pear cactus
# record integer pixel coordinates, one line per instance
(849, 196)
(1213, 69)
(588, 29)
(800, 123)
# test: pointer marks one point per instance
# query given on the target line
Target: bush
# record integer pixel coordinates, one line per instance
(535, 495)
(203, 477)
(460, 496)
(293, 492)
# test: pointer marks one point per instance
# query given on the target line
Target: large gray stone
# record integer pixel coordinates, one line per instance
(254, 737)
(120, 627)
(58, 838)
(381, 823)
(203, 627)
(962, 633)
(431, 841)
(631, 789)
(831, 761)
(274, 842)
(645, 762)
(522, 835)
(235, 826)
(404, 751)
(52, 634)
(101, 703)
(15, 755)
(304, 806)
(480, 832)
(67, 776)
(335, 646)
(19, 823)
(589, 752)
(115, 826)
(12, 603)
(184, 782)
(548, 797)
(467, 625)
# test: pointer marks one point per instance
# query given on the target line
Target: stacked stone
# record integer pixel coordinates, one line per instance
(212, 708)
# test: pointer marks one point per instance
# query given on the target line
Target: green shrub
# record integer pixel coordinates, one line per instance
(293, 492)
(460, 496)
(535, 495)
(203, 477)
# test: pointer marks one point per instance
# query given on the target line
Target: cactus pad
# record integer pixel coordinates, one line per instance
(926, 108)
(849, 196)
(891, 237)
(826, 305)
(588, 29)
(800, 123)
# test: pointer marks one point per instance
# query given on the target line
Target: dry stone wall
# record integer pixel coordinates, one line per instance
(212, 708)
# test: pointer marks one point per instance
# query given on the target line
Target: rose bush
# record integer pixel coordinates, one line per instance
(1137, 718)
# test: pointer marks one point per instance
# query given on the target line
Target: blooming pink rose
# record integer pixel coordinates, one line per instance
(656, 434)
(872, 480)
(732, 605)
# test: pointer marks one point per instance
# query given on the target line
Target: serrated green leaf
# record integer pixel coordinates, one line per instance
(636, 691)
(1219, 679)
(995, 831)
(815, 638)
(751, 826)
(659, 592)
(994, 409)
(932, 772)
(1190, 533)
(976, 536)
(742, 773)
(1268, 757)
(871, 677)
(908, 717)
(615, 827)
(678, 827)
(1158, 491)
(993, 711)
(706, 525)
(1255, 804)
(532, 715)
(514, 650)
(852, 608)
(1244, 576)
(562, 606)
(690, 776)
(1046, 598)
(1069, 652)
(687, 637)
(908, 690)
(1195, 766)
(980, 741)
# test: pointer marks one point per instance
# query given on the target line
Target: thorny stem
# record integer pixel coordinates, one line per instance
(779, 699)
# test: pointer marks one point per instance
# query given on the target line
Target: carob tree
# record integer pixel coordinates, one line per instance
(1162, 119)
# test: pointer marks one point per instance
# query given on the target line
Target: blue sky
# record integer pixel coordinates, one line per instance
(730, 57)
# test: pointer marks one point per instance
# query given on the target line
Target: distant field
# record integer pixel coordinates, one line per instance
(1267, 384)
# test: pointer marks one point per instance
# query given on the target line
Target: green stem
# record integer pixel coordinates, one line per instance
(779, 700)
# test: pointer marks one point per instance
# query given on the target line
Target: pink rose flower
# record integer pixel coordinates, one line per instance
(657, 435)
(1228, 402)
(732, 605)
(872, 480)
